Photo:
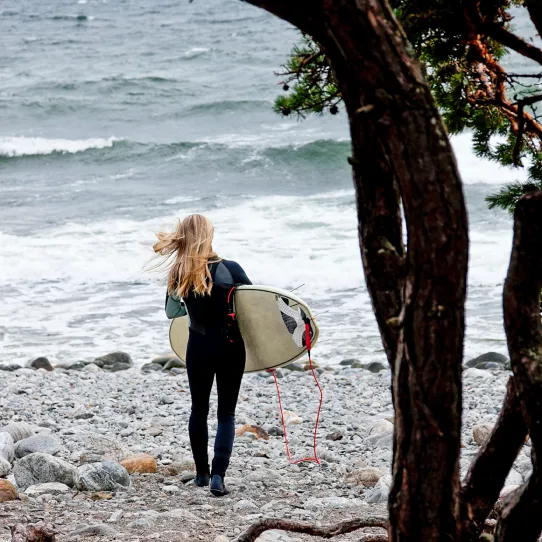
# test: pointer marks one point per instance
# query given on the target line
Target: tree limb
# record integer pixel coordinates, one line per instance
(255, 530)
(499, 33)
(521, 518)
(489, 470)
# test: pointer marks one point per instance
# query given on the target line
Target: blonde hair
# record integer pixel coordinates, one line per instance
(187, 252)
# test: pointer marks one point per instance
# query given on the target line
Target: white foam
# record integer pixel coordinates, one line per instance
(33, 146)
(80, 289)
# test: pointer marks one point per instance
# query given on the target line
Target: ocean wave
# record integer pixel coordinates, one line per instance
(16, 147)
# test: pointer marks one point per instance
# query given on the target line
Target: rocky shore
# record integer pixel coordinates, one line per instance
(100, 448)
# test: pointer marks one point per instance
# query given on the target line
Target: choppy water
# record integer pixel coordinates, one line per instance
(118, 116)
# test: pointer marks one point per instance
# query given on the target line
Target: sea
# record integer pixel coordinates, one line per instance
(119, 116)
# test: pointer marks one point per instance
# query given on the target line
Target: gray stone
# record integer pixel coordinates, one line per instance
(163, 360)
(142, 524)
(176, 371)
(5, 468)
(39, 468)
(375, 367)
(77, 366)
(10, 367)
(348, 362)
(489, 356)
(170, 489)
(174, 363)
(95, 530)
(105, 476)
(51, 488)
(245, 505)
(166, 400)
(274, 536)
(7, 447)
(332, 503)
(481, 432)
(151, 368)
(98, 448)
(376, 496)
(91, 368)
(42, 442)
(41, 363)
(294, 367)
(117, 361)
(490, 365)
(18, 430)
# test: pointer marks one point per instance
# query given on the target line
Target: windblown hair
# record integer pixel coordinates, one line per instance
(188, 251)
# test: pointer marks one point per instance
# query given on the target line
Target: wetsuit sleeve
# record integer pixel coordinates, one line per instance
(237, 272)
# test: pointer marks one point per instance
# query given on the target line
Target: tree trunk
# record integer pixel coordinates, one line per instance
(489, 470)
(535, 12)
(397, 133)
(521, 518)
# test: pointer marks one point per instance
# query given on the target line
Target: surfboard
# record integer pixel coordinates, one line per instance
(272, 324)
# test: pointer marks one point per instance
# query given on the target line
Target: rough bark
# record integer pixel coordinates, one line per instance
(489, 470)
(42, 532)
(397, 132)
(345, 527)
(521, 518)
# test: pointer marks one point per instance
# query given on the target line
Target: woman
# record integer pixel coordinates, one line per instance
(202, 280)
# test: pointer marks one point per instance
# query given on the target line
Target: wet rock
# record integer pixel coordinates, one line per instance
(77, 366)
(488, 357)
(98, 448)
(348, 362)
(104, 476)
(375, 367)
(38, 468)
(41, 363)
(140, 463)
(51, 488)
(336, 435)
(481, 432)
(7, 491)
(18, 430)
(117, 361)
(41, 442)
(367, 477)
(151, 368)
(254, 429)
(490, 366)
(7, 447)
(10, 367)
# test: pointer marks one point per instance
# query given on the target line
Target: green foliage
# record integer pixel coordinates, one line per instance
(465, 84)
(509, 195)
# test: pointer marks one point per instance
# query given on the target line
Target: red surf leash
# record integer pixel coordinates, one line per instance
(272, 371)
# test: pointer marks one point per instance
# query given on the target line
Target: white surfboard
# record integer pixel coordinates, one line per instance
(271, 322)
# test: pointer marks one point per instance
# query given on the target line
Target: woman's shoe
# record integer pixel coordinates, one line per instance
(202, 480)
(218, 489)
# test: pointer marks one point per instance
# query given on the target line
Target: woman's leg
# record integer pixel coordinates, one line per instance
(200, 372)
(229, 373)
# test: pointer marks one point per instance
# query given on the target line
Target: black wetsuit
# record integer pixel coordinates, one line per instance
(210, 353)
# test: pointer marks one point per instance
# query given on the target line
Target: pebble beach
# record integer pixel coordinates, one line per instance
(103, 452)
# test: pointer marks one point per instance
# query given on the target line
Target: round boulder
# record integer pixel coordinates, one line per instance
(42, 442)
(7, 491)
(117, 361)
(41, 363)
(105, 476)
(481, 432)
(493, 357)
(7, 447)
(39, 468)
(18, 430)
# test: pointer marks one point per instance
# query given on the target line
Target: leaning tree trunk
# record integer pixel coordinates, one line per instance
(397, 134)
(521, 518)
